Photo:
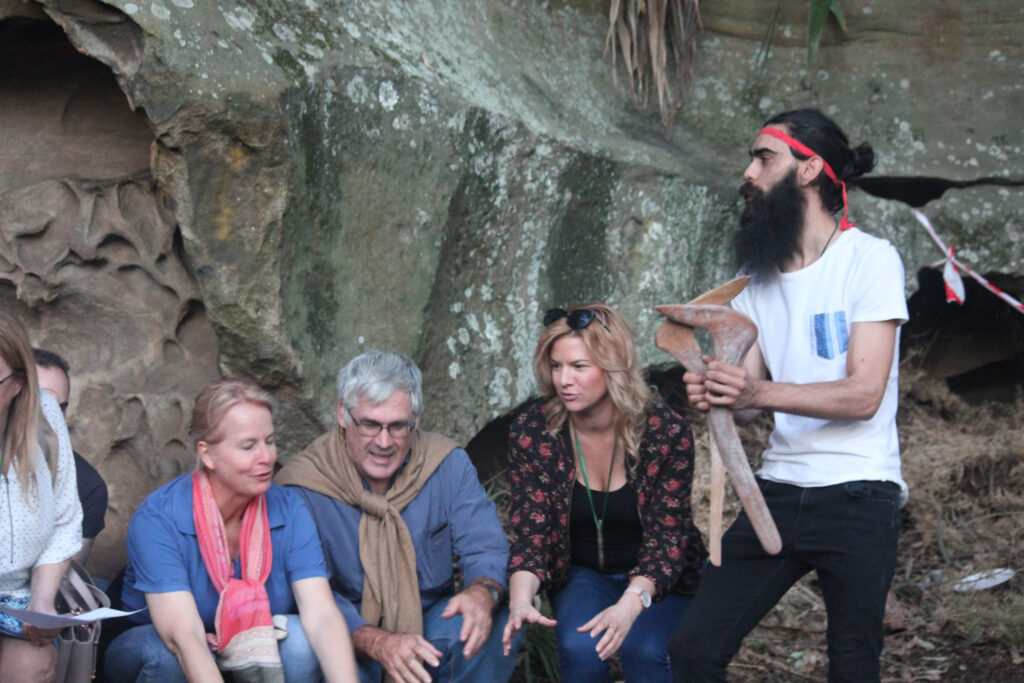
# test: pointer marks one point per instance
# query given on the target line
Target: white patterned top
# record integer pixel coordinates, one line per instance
(47, 528)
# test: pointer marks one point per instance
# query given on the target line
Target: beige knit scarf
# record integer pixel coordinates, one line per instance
(391, 592)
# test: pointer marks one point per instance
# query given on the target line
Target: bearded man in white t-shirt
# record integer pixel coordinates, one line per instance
(828, 301)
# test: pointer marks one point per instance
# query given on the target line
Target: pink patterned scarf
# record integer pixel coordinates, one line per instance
(244, 639)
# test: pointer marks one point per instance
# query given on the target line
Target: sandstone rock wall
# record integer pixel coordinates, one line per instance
(92, 263)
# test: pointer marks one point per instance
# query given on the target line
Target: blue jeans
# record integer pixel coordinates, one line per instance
(847, 533)
(139, 655)
(489, 664)
(644, 652)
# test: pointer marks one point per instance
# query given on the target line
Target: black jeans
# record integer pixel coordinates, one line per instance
(847, 533)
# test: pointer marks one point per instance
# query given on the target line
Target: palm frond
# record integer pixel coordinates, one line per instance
(652, 37)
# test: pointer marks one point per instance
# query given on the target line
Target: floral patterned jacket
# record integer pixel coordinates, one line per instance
(543, 469)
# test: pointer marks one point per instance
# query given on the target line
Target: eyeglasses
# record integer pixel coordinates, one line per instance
(576, 320)
(370, 428)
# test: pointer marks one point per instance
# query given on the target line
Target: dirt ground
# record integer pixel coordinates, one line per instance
(964, 464)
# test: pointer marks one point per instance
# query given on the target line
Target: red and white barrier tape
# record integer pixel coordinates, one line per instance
(950, 264)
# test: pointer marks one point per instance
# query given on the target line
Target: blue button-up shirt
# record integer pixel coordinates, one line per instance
(451, 516)
(164, 555)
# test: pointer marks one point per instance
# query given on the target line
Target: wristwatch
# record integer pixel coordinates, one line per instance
(497, 595)
(645, 597)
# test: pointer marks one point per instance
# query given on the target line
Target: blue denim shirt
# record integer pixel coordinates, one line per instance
(451, 516)
(164, 555)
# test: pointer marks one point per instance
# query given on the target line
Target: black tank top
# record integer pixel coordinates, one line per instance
(622, 529)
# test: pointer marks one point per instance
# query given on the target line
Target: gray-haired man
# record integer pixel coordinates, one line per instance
(393, 506)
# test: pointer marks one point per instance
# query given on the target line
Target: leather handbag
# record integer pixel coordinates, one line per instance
(77, 645)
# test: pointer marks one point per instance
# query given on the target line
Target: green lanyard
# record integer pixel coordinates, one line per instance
(598, 521)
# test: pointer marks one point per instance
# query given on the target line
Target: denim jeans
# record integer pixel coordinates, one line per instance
(644, 652)
(139, 655)
(847, 533)
(489, 664)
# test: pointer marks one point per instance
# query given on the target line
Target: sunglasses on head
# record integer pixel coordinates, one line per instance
(576, 320)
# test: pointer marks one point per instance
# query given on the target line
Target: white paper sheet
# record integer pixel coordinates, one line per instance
(43, 620)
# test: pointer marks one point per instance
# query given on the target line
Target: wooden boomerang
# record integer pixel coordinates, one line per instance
(733, 334)
(680, 341)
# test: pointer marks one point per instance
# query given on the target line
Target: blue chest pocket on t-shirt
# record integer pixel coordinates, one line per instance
(830, 335)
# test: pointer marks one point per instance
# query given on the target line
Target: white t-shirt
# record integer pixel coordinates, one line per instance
(803, 320)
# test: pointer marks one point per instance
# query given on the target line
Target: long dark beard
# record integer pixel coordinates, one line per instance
(770, 228)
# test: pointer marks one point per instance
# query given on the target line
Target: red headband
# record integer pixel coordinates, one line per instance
(844, 224)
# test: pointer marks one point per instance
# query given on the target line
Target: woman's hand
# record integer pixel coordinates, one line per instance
(325, 629)
(614, 622)
(517, 615)
(43, 586)
(41, 636)
(177, 621)
(522, 588)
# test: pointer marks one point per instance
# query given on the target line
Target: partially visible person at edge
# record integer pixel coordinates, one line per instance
(600, 511)
(215, 552)
(54, 380)
(828, 302)
(394, 504)
(39, 510)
